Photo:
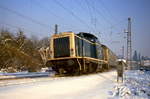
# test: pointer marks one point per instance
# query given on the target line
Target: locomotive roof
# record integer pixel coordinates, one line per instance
(89, 35)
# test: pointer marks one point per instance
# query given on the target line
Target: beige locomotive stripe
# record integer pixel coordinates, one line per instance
(78, 58)
(95, 59)
(62, 35)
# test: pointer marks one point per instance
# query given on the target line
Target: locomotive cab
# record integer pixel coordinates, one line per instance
(62, 52)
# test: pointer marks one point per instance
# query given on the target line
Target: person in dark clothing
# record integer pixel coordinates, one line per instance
(120, 68)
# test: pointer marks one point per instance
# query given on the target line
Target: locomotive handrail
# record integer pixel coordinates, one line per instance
(79, 58)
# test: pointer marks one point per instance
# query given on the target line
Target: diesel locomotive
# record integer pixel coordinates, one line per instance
(80, 53)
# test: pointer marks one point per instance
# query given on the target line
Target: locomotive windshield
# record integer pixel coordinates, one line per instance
(61, 47)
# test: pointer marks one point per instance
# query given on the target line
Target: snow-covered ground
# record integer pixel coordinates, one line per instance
(136, 85)
(94, 86)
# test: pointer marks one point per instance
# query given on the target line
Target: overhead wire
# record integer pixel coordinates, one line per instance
(44, 7)
(105, 18)
(116, 24)
(112, 17)
(24, 16)
(106, 8)
(90, 13)
(45, 25)
(96, 10)
(95, 21)
(72, 13)
(93, 14)
(101, 15)
(50, 12)
(78, 2)
(18, 27)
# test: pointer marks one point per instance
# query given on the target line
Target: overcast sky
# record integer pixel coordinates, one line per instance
(107, 19)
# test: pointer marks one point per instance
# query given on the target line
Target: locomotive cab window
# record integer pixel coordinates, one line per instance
(61, 47)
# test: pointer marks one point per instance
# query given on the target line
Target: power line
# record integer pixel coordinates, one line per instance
(25, 17)
(115, 25)
(85, 10)
(95, 21)
(50, 11)
(90, 12)
(72, 13)
(44, 7)
(93, 15)
(79, 4)
(14, 26)
(100, 14)
(109, 12)
(105, 8)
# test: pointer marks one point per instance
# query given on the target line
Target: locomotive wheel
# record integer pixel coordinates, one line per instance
(86, 69)
(61, 71)
(90, 68)
(77, 71)
(105, 67)
(94, 67)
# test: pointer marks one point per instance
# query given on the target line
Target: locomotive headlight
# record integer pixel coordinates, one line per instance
(51, 52)
(71, 50)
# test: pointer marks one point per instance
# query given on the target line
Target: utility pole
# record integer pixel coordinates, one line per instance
(56, 29)
(99, 34)
(122, 52)
(129, 45)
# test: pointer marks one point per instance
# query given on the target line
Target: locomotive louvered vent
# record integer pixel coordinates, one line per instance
(61, 47)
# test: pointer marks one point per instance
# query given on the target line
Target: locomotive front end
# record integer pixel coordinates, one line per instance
(62, 52)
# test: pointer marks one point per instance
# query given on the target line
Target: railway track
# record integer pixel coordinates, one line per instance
(36, 78)
(19, 81)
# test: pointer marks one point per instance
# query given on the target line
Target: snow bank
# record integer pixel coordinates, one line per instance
(24, 75)
(136, 86)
